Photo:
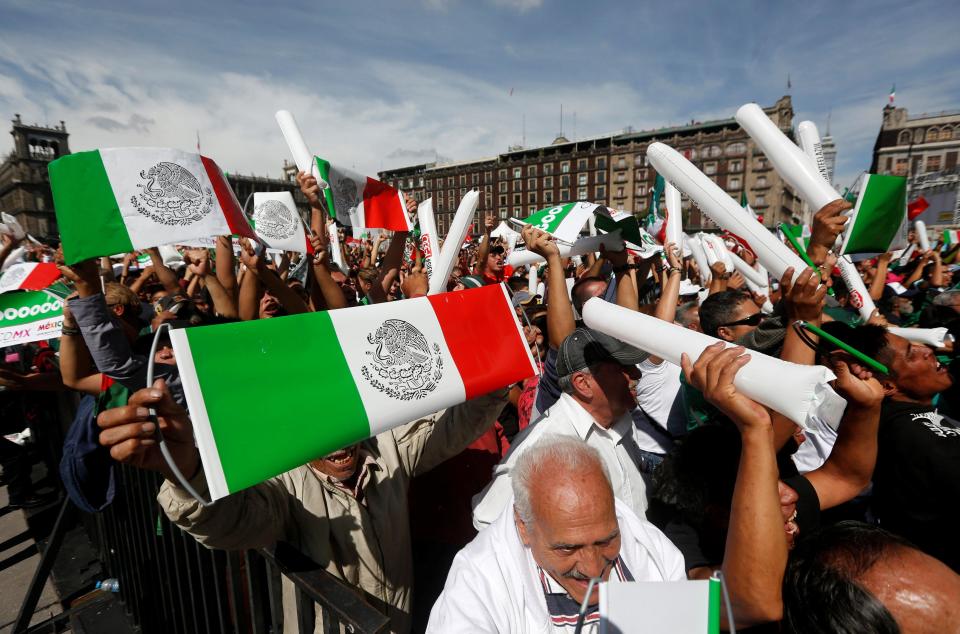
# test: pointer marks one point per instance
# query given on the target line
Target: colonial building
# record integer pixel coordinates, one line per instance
(24, 183)
(924, 148)
(610, 170)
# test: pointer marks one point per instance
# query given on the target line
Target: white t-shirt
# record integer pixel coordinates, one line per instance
(658, 394)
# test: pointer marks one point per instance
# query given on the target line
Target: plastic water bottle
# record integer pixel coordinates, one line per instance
(109, 585)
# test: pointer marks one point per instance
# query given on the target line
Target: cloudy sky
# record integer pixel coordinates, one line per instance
(378, 84)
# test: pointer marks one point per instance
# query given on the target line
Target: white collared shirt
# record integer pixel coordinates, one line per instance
(617, 447)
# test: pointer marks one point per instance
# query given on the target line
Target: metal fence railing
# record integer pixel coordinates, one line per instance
(168, 583)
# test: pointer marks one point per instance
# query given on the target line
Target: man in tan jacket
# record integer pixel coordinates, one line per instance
(347, 511)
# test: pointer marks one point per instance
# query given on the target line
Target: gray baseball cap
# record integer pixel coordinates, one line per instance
(587, 347)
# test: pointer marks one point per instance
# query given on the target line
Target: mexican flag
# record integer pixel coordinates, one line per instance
(360, 201)
(878, 222)
(380, 366)
(638, 240)
(29, 276)
(563, 222)
(277, 222)
(124, 199)
(30, 316)
(951, 237)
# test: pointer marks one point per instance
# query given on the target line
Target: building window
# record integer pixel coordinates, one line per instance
(951, 161)
(689, 153)
(582, 164)
(449, 181)
(933, 163)
(547, 197)
(564, 195)
(761, 162)
(532, 197)
(503, 199)
(642, 175)
(565, 180)
(904, 138)
(710, 168)
(621, 163)
(517, 211)
(503, 174)
(463, 179)
(548, 169)
(640, 159)
(517, 172)
(429, 183)
(714, 151)
(475, 179)
(733, 183)
(532, 209)
(946, 133)
(565, 167)
(735, 166)
(503, 187)
(736, 149)
(761, 181)
(531, 170)
(760, 200)
(601, 177)
(581, 179)
(488, 200)
(531, 183)
(933, 134)
(488, 188)
(488, 176)
(420, 181)
(503, 212)
(517, 199)
(601, 191)
(901, 169)
(582, 193)
(641, 190)
(547, 181)
(517, 185)
(619, 192)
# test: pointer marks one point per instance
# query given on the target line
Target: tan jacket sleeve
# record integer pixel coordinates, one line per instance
(425, 443)
(253, 518)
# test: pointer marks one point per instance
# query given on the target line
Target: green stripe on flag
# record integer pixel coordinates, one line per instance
(87, 213)
(713, 618)
(323, 167)
(278, 416)
(878, 216)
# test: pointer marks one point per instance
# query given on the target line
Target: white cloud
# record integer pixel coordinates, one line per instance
(521, 6)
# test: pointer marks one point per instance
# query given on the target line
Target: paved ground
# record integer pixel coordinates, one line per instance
(18, 561)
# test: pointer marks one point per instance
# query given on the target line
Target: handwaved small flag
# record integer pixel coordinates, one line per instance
(29, 276)
(124, 199)
(878, 221)
(362, 202)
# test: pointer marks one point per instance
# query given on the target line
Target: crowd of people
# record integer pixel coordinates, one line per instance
(494, 515)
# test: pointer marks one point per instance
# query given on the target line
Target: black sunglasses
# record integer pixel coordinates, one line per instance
(752, 320)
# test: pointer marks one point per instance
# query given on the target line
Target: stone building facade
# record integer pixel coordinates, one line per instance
(610, 170)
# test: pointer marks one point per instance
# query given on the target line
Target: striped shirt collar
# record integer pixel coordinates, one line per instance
(563, 610)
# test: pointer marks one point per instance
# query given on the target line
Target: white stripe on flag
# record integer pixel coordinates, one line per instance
(209, 456)
(353, 328)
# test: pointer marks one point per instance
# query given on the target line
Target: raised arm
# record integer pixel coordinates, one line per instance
(489, 222)
(329, 289)
(828, 222)
(560, 320)
(256, 265)
(163, 272)
(226, 265)
(76, 364)
(880, 279)
(755, 555)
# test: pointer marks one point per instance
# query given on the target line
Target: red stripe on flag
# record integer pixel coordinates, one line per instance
(42, 276)
(232, 211)
(481, 331)
(383, 207)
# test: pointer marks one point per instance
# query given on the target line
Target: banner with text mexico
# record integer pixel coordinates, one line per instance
(29, 316)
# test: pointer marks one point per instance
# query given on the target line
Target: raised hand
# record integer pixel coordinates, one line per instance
(539, 242)
(805, 299)
(828, 222)
(310, 188)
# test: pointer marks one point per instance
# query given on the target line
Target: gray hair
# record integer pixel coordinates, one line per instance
(566, 382)
(684, 315)
(947, 298)
(569, 453)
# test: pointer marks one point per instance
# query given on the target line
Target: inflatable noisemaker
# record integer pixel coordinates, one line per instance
(859, 297)
(763, 378)
(583, 246)
(298, 147)
(700, 257)
(920, 227)
(429, 242)
(532, 279)
(809, 138)
(750, 274)
(716, 250)
(674, 220)
(450, 250)
(935, 337)
(723, 210)
(790, 161)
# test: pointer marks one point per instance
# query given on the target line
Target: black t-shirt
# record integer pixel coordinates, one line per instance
(917, 478)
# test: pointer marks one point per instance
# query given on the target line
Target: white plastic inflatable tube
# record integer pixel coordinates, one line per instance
(298, 147)
(922, 238)
(700, 257)
(790, 162)
(674, 220)
(532, 279)
(796, 391)
(451, 246)
(429, 241)
(590, 244)
(716, 203)
(749, 273)
(935, 337)
(809, 138)
(859, 295)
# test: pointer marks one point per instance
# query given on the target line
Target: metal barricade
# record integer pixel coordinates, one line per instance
(170, 583)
